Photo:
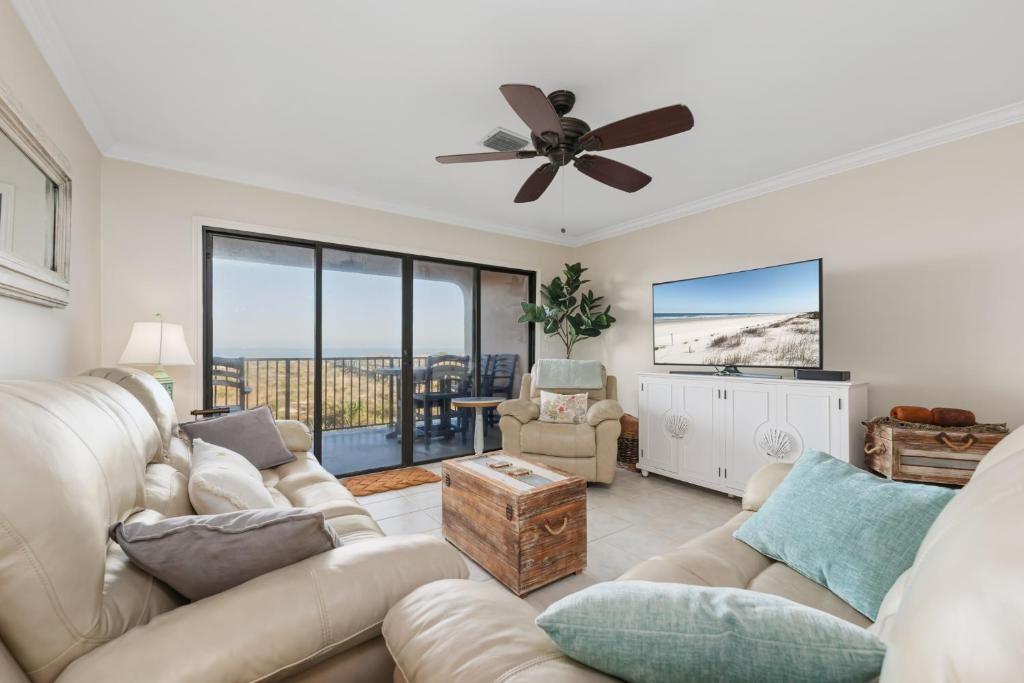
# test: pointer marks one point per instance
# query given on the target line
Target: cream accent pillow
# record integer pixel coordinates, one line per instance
(224, 481)
(563, 408)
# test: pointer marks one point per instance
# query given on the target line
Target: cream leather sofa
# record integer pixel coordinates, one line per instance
(587, 449)
(80, 454)
(956, 615)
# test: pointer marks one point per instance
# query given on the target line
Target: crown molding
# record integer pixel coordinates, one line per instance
(317, 191)
(908, 144)
(44, 31)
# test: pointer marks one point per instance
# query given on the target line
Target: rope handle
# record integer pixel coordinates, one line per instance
(968, 441)
(874, 448)
(565, 523)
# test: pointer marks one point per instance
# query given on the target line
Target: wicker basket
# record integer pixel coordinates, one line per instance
(629, 443)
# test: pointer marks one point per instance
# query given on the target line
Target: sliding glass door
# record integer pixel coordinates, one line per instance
(261, 349)
(362, 361)
(370, 349)
(444, 352)
(506, 345)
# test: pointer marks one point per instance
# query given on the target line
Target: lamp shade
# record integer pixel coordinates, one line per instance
(156, 343)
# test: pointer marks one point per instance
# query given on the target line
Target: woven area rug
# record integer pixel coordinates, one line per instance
(378, 482)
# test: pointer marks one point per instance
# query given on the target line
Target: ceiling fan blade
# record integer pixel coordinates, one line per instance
(534, 108)
(535, 185)
(485, 156)
(651, 125)
(613, 173)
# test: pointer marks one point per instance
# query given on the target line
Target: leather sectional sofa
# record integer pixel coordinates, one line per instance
(955, 615)
(81, 454)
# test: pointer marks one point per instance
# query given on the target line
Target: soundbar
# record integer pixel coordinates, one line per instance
(823, 375)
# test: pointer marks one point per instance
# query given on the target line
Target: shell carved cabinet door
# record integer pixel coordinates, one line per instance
(35, 211)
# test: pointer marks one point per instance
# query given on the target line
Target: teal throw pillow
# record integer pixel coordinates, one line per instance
(646, 632)
(844, 528)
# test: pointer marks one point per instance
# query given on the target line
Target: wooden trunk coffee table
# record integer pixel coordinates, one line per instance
(527, 530)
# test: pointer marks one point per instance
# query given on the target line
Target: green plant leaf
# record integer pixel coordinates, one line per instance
(566, 311)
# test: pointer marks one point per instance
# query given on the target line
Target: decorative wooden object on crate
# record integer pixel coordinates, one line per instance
(526, 529)
(629, 443)
(912, 451)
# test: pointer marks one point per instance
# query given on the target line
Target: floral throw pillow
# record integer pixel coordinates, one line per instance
(564, 408)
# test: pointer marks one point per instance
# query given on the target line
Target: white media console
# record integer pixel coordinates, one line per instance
(716, 431)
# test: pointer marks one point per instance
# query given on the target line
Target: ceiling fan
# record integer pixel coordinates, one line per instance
(563, 139)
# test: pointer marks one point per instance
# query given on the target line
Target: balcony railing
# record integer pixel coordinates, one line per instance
(358, 391)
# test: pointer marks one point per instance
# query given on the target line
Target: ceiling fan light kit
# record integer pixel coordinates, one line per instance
(564, 140)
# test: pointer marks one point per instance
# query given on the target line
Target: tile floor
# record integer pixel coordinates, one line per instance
(627, 522)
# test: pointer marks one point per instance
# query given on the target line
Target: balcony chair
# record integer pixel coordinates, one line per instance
(497, 379)
(230, 374)
(445, 377)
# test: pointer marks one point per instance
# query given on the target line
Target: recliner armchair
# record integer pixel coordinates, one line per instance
(587, 449)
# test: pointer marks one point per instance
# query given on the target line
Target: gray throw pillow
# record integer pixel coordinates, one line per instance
(200, 555)
(250, 433)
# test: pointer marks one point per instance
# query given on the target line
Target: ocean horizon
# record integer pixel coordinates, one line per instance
(679, 316)
(329, 352)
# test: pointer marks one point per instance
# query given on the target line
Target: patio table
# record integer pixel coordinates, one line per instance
(419, 375)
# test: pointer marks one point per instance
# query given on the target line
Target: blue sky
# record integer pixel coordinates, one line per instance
(259, 305)
(783, 289)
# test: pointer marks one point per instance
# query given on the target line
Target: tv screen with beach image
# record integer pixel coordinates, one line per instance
(768, 317)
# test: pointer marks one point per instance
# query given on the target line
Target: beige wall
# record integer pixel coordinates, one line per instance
(924, 273)
(151, 251)
(36, 341)
(924, 258)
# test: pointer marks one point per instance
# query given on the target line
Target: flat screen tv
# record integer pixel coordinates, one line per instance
(764, 318)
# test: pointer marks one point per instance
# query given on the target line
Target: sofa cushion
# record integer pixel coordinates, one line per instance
(568, 440)
(200, 555)
(712, 559)
(780, 580)
(251, 433)
(354, 528)
(148, 392)
(296, 435)
(459, 631)
(663, 633)
(167, 491)
(814, 522)
(224, 481)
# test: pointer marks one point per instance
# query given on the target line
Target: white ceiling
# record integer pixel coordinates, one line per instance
(352, 100)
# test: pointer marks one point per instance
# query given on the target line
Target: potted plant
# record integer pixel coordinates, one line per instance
(564, 313)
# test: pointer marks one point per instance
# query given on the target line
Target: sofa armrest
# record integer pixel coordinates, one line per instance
(469, 632)
(278, 623)
(521, 409)
(607, 409)
(762, 483)
(296, 435)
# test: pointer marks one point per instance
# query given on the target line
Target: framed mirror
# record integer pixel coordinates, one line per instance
(35, 212)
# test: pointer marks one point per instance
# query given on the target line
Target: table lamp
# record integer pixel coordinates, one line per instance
(157, 343)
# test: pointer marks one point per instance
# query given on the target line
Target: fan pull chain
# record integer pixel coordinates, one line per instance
(563, 203)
